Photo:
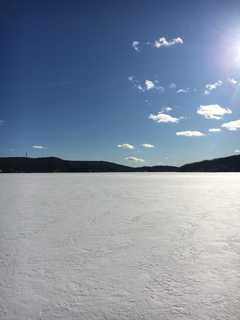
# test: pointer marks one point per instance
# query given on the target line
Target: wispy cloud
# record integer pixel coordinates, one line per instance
(163, 118)
(183, 91)
(237, 151)
(136, 45)
(163, 42)
(2, 122)
(212, 86)
(233, 81)
(38, 147)
(147, 145)
(146, 85)
(172, 85)
(125, 146)
(167, 109)
(232, 125)
(214, 130)
(209, 87)
(213, 111)
(190, 133)
(135, 159)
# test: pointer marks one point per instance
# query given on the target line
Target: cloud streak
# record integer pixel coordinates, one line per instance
(190, 133)
(38, 147)
(125, 146)
(163, 42)
(213, 111)
(163, 118)
(232, 125)
(214, 130)
(212, 86)
(148, 145)
(134, 159)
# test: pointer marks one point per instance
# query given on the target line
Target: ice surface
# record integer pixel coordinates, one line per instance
(120, 246)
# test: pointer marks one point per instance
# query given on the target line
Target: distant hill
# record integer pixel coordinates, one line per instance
(227, 164)
(53, 164)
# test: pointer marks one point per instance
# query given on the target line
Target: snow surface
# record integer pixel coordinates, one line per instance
(120, 246)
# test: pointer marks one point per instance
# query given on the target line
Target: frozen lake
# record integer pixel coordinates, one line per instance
(160, 246)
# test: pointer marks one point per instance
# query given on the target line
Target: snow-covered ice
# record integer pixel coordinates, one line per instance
(153, 246)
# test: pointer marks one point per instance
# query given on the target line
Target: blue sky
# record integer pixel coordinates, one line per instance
(123, 81)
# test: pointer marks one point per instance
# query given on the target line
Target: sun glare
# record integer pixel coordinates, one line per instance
(238, 53)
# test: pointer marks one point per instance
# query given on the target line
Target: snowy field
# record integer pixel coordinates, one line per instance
(159, 246)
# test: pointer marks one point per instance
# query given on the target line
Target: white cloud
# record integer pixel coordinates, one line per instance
(212, 86)
(149, 84)
(134, 159)
(233, 81)
(237, 151)
(38, 147)
(140, 87)
(213, 111)
(163, 42)
(159, 43)
(125, 146)
(163, 117)
(182, 91)
(148, 145)
(232, 125)
(214, 130)
(136, 45)
(190, 133)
